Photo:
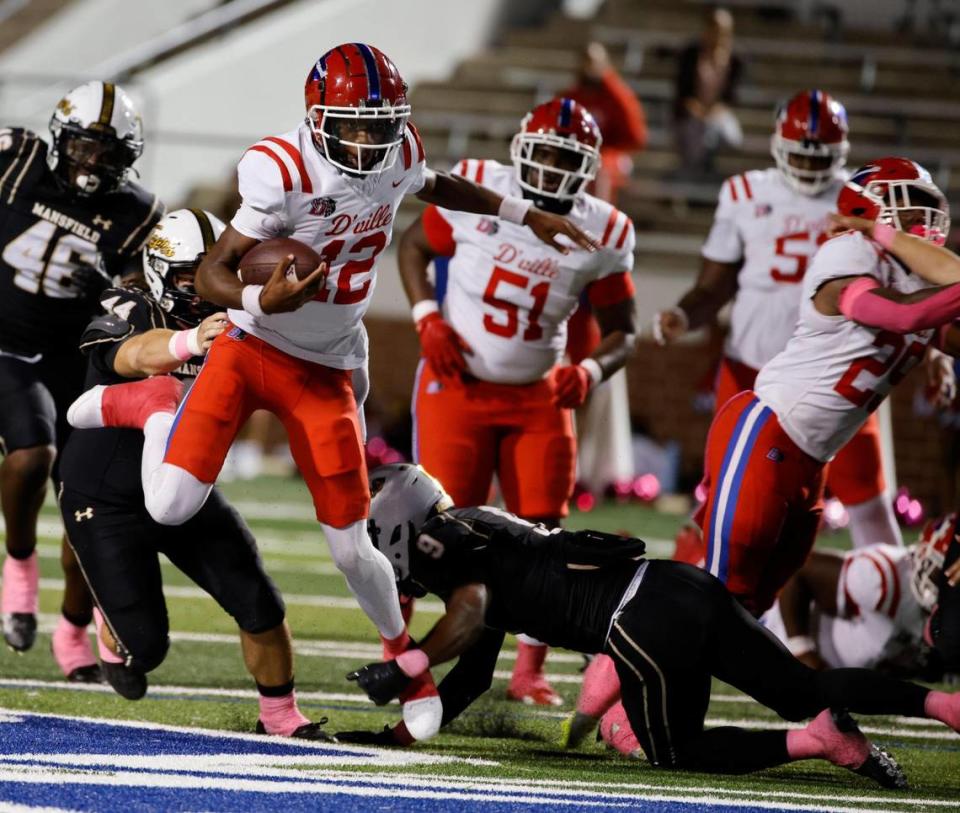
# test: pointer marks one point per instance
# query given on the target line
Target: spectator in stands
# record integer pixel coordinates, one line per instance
(619, 116)
(707, 77)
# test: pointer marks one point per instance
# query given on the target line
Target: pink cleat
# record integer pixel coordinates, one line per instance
(616, 732)
(529, 684)
(73, 653)
(19, 601)
(125, 405)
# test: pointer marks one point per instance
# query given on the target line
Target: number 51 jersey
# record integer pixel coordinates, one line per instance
(46, 234)
(510, 295)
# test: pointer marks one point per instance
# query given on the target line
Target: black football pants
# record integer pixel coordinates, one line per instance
(681, 629)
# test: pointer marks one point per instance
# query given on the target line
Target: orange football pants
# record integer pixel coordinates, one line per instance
(855, 475)
(465, 432)
(315, 404)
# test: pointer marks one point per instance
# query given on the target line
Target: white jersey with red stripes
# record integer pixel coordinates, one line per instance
(775, 231)
(834, 372)
(510, 295)
(878, 618)
(290, 190)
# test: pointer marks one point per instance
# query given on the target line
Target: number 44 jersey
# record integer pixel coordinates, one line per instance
(46, 235)
(775, 231)
(834, 372)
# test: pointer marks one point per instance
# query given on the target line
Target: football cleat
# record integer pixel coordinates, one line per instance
(91, 673)
(883, 769)
(20, 630)
(846, 746)
(575, 728)
(533, 691)
(126, 681)
(126, 405)
(616, 732)
(308, 731)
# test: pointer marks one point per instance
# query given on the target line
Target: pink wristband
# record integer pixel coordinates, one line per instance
(413, 662)
(184, 344)
(883, 233)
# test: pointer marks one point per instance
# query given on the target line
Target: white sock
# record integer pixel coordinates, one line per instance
(369, 576)
(523, 638)
(172, 495)
(873, 521)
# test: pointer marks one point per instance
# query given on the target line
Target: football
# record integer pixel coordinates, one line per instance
(258, 263)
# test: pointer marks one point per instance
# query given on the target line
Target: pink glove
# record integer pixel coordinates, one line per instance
(442, 346)
(569, 386)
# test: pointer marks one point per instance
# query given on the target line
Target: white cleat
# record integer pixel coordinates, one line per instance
(87, 411)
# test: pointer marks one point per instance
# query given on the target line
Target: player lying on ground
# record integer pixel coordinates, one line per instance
(492, 395)
(669, 627)
(299, 348)
(873, 301)
(167, 331)
(72, 217)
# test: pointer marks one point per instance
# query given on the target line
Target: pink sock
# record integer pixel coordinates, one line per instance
(821, 739)
(394, 646)
(530, 658)
(616, 731)
(106, 655)
(601, 687)
(71, 647)
(21, 585)
(944, 707)
(280, 715)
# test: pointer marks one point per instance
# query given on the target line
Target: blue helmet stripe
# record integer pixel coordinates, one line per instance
(566, 112)
(814, 112)
(370, 64)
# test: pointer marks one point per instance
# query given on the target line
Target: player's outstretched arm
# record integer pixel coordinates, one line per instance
(414, 255)
(815, 583)
(162, 351)
(715, 287)
(458, 193)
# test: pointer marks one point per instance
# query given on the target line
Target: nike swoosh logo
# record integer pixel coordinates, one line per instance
(395, 184)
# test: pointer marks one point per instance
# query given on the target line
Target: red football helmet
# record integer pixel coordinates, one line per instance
(357, 108)
(901, 193)
(813, 127)
(563, 172)
(929, 555)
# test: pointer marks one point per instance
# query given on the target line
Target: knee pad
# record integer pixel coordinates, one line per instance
(173, 495)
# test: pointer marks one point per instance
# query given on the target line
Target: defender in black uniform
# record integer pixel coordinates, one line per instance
(668, 626)
(70, 219)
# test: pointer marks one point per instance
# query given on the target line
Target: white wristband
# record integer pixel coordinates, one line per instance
(514, 210)
(250, 297)
(185, 344)
(594, 370)
(424, 308)
(800, 645)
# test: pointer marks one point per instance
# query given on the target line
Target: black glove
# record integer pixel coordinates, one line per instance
(381, 681)
(89, 281)
(384, 738)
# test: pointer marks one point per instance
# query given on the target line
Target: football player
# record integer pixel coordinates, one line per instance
(492, 396)
(298, 347)
(166, 331)
(872, 303)
(594, 592)
(71, 217)
(767, 227)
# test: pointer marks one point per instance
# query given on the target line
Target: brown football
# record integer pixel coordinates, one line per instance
(258, 263)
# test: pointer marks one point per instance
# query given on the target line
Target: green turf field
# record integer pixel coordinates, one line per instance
(203, 682)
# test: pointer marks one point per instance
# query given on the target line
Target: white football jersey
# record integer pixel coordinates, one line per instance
(775, 231)
(878, 619)
(509, 295)
(290, 190)
(834, 372)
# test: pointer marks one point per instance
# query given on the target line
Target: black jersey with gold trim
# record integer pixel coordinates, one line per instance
(106, 462)
(47, 234)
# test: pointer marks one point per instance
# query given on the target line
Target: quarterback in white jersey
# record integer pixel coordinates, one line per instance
(334, 183)
(870, 309)
(492, 396)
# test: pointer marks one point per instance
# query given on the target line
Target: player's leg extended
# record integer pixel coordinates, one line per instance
(855, 477)
(454, 436)
(28, 435)
(536, 471)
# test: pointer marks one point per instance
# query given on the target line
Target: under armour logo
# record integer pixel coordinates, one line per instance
(87, 513)
(104, 224)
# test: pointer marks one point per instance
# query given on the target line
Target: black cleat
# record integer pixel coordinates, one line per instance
(127, 682)
(308, 731)
(879, 766)
(20, 630)
(91, 673)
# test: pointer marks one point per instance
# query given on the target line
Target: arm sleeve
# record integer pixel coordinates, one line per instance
(724, 243)
(471, 676)
(262, 213)
(859, 303)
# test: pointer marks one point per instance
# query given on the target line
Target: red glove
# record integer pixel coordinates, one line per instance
(569, 386)
(442, 346)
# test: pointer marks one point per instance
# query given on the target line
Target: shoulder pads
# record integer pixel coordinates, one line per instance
(108, 328)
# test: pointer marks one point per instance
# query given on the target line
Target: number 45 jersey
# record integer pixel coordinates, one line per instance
(775, 231)
(834, 372)
(509, 295)
(46, 234)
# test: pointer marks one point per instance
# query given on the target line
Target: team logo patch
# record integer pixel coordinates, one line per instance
(323, 207)
(237, 334)
(433, 387)
(775, 455)
(762, 210)
(488, 226)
